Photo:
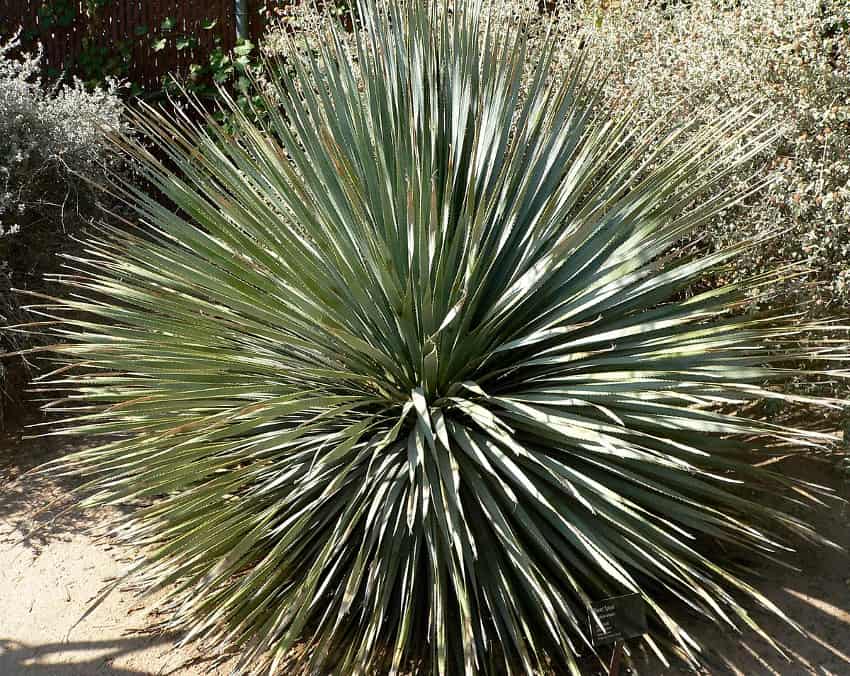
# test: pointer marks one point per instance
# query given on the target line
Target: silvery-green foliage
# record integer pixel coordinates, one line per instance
(52, 142)
(48, 134)
(703, 57)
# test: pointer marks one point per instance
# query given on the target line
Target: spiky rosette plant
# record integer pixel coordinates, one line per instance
(403, 375)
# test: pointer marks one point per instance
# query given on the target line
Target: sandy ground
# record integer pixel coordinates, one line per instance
(52, 568)
(816, 596)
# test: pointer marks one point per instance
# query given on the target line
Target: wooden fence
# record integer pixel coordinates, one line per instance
(82, 36)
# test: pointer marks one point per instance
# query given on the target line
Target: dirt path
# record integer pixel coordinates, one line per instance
(49, 576)
(817, 596)
(51, 569)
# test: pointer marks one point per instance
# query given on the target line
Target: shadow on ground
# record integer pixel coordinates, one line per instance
(95, 658)
(89, 657)
(816, 596)
(33, 507)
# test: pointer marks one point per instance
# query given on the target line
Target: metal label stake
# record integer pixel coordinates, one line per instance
(616, 659)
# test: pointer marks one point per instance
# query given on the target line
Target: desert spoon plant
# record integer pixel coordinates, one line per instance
(401, 376)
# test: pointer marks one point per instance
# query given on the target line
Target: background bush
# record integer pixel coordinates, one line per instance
(704, 57)
(52, 143)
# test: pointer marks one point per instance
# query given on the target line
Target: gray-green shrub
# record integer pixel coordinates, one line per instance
(52, 143)
(704, 57)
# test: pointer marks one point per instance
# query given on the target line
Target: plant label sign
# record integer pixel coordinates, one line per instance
(617, 618)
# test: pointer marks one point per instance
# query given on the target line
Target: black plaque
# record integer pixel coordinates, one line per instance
(617, 618)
